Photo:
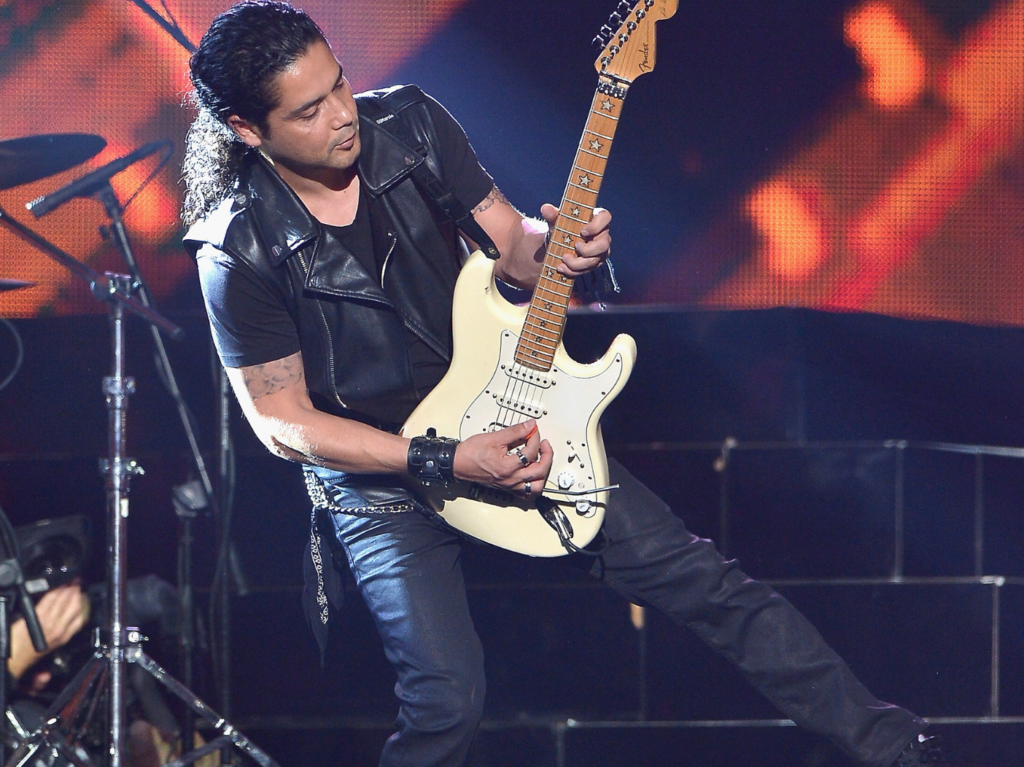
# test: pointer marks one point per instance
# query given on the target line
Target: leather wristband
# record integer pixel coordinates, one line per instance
(431, 459)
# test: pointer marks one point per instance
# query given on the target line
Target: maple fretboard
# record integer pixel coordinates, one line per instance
(545, 319)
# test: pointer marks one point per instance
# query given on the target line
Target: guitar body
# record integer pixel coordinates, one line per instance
(486, 389)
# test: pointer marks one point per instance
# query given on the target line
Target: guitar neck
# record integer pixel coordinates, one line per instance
(549, 306)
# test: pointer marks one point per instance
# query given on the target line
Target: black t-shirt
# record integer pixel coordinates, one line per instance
(250, 320)
(427, 366)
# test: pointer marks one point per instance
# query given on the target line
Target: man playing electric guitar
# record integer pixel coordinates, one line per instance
(328, 267)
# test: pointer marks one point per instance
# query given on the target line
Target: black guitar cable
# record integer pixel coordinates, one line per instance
(555, 517)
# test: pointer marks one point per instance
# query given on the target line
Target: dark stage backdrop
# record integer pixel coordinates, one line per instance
(823, 153)
(855, 155)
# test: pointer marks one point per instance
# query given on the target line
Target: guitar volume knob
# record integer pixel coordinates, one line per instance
(565, 480)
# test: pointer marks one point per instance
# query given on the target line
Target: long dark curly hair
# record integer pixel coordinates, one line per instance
(233, 73)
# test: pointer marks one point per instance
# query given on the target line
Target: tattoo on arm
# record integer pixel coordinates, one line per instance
(272, 377)
(494, 196)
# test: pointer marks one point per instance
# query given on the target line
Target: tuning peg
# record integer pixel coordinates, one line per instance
(615, 20)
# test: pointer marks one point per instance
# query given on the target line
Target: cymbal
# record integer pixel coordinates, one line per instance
(13, 284)
(23, 160)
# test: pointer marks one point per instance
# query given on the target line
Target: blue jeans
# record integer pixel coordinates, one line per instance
(407, 568)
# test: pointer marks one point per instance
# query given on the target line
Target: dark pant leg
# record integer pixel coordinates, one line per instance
(653, 559)
(407, 568)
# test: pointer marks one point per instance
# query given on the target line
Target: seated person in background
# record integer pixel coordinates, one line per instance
(62, 611)
(65, 610)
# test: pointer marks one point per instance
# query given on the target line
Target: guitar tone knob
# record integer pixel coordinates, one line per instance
(584, 508)
(565, 480)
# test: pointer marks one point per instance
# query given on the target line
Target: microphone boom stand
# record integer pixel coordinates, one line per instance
(227, 560)
(219, 502)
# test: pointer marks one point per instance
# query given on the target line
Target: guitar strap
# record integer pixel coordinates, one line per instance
(424, 178)
(589, 287)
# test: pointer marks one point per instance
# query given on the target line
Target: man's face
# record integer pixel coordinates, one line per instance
(314, 128)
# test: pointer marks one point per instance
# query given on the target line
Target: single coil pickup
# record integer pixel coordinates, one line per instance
(526, 408)
(533, 377)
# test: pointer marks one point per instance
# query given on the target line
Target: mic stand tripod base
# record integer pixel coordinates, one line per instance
(83, 694)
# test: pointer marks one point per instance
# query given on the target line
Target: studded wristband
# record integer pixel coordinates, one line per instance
(431, 459)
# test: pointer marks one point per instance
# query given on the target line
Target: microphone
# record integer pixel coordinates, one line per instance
(93, 181)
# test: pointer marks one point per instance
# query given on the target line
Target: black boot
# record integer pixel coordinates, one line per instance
(922, 750)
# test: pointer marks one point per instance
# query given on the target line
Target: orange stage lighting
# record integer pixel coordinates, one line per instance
(793, 244)
(906, 203)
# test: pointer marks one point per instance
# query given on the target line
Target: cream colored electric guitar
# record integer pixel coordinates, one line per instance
(508, 363)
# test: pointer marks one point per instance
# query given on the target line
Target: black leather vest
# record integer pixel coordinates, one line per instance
(350, 323)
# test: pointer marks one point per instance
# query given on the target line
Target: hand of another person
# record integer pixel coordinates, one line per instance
(507, 459)
(595, 247)
(62, 613)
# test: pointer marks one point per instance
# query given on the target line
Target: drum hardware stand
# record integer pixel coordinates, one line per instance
(122, 645)
(83, 694)
(228, 563)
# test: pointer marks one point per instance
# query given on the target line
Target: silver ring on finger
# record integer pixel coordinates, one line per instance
(521, 456)
(526, 487)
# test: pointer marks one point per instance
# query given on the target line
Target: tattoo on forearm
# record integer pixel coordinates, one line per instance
(272, 377)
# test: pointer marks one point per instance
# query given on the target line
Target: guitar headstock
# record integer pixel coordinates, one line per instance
(627, 39)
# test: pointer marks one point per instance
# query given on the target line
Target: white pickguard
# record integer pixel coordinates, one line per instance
(564, 405)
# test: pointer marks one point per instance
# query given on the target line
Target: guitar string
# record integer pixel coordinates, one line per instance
(511, 393)
(503, 418)
(521, 392)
